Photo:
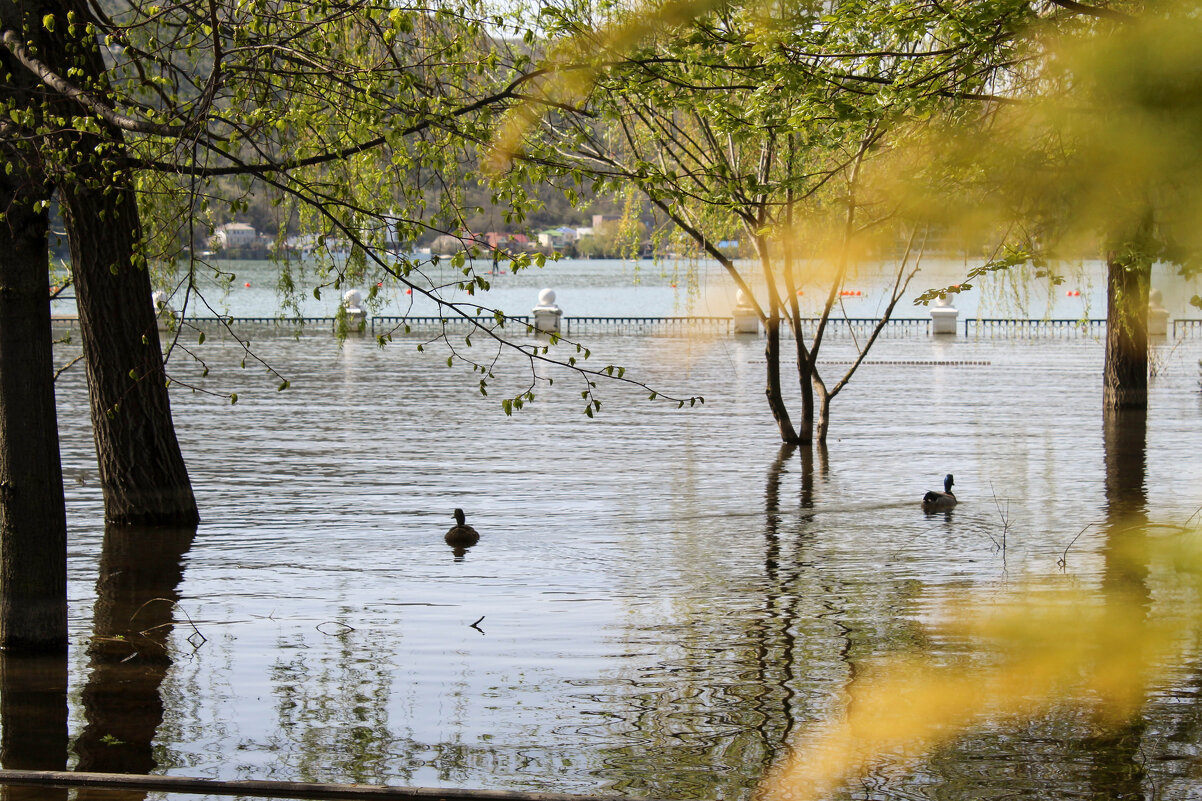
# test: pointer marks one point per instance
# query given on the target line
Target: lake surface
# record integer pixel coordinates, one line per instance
(661, 599)
(608, 287)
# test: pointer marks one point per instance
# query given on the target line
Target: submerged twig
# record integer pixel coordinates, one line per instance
(342, 632)
(1004, 514)
(1062, 562)
(195, 639)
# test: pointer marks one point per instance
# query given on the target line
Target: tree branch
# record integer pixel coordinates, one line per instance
(1100, 12)
(13, 44)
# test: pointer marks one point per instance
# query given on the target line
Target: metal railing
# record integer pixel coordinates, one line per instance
(1012, 328)
(1187, 329)
(861, 327)
(644, 325)
(387, 324)
(519, 325)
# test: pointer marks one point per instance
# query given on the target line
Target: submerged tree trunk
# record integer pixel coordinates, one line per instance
(142, 471)
(1116, 766)
(805, 381)
(776, 401)
(1125, 382)
(33, 527)
(824, 413)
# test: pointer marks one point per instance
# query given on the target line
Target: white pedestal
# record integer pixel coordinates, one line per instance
(743, 316)
(745, 320)
(546, 314)
(943, 319)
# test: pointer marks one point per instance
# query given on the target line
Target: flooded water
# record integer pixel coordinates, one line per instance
(607, 287)
(661, 599)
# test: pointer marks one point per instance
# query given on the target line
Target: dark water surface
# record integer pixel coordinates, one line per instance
(664, 598)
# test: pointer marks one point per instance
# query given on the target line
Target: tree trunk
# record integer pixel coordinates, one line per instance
(142, 471)
(824, 412)
(776, 401)
(805, 381)
(1125, 382)
(33, 524)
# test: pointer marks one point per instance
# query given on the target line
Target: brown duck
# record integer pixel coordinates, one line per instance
(461, 535)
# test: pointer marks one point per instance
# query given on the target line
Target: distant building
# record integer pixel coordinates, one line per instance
(234, 235)
(556, 238)
(601, 219)
(498, 240)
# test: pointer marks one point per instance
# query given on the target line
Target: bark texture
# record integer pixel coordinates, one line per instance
(1125, 381)
(142, 471)
(772, 389)
(33, 527)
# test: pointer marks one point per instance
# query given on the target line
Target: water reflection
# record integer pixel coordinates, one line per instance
(669, 597)
(33, 720)
(1116, 764)
(129, 653)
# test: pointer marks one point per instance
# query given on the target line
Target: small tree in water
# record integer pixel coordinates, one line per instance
(769, 126)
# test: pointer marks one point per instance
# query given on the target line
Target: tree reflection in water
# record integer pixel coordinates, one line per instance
(33, 720)
(136, 593)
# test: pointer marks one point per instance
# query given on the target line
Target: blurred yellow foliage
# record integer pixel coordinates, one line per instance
(1041, 645)
(1099, 134)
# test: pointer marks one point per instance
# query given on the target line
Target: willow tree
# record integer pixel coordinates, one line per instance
(779, 123)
